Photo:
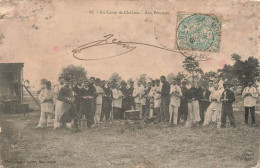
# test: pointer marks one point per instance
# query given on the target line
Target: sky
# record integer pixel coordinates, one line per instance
(42, 34)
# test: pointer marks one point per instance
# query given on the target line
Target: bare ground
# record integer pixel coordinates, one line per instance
(127, 144)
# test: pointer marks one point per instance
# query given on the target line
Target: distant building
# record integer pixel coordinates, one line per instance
(11, 88)
(11, 78)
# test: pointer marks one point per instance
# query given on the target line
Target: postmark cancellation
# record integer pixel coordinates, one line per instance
(198, 32)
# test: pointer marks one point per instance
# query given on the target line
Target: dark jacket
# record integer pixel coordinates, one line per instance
(165, 92)
(193, 93)
(108, 96)
(230, 96)
(185, 94)
(123, 90)
(129, 94)
(125, 100)
(202, 96)
(91, 91)
(65, 92)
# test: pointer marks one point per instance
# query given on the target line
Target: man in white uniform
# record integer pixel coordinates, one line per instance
(138, 90)
(47, 107)
(175, 102)
(157, 97)
(250, 95)
(213, 112)
(99, 92)
(117, 101)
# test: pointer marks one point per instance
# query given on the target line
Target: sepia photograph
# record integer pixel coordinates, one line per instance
(129, 84)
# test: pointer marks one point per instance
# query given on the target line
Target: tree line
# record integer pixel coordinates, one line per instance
(238, 74)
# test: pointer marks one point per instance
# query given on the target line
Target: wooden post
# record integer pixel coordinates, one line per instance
(21, 87)
(32, 96)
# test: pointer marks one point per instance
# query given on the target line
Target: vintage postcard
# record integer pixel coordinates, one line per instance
(129, 83)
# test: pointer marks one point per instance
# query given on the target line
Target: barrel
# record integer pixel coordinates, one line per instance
(83, 123)
(132, 115)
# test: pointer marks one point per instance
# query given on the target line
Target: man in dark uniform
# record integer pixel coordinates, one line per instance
(147, 106)
(165, 99)
(78, 90)
(203, 102)
(106, 101)
(227, 99)
(183, 109)
(66, 96)
(123, 89)
(193, 104)
(129, 96)
(87, 102)
(103, 109)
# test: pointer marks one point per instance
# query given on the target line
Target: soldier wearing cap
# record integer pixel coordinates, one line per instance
(204, 101)
(129, 96)
(123, 89)
(78, 90)
(63, 104)
(144, 99)
(137, 96)
(250, 95)
(156, 99)
(87, 104)
(148, 100)
(99, 93)
(47, 107)
(165, 99)
(193, 105)
(227, 99)
(106, 101)
(183, 109)
(175, 101)
(117, 101)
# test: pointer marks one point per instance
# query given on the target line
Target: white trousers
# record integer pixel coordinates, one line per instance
(173, 114)
(213, 114)
(193, 112)
(151, 112)
(42, 120)
(60, 109)
(98, 113)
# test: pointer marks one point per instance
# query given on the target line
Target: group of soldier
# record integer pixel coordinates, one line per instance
(158, 102)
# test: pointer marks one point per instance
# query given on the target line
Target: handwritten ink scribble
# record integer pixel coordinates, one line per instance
(109, 41)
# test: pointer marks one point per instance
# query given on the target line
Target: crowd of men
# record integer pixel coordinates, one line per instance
(158, 102)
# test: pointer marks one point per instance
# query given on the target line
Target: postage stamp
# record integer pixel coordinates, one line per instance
(198, 32)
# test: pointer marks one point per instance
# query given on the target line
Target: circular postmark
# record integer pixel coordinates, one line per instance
(166, 39)
(198, 32)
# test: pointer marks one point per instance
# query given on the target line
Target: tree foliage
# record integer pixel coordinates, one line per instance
(241, 72)
(192, 67)
(180, 76)
(207, 77)
(190, 64)
(115, 76)
(248, 72)
(75, 73)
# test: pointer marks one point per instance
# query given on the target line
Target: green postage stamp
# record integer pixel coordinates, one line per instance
(198, 32)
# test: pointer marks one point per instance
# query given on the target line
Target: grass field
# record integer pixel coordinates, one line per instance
(127, 144)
